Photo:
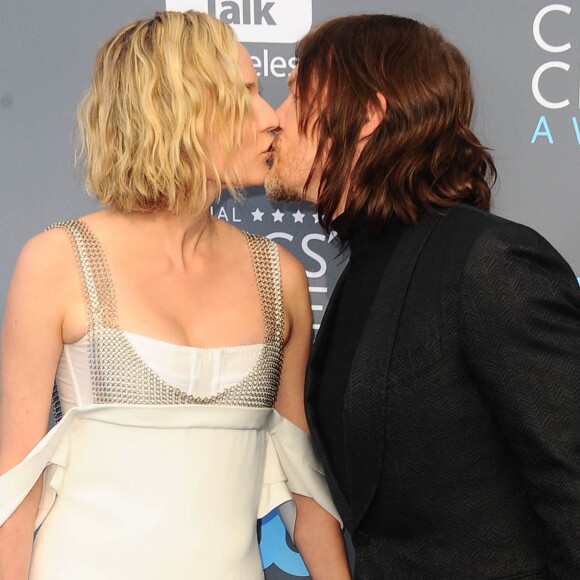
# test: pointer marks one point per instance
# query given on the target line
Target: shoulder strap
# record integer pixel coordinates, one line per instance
(96, 284)
(95, 276)
(266, 262)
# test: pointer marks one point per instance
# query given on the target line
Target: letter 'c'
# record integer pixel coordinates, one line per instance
(538, 21)
(536, 85)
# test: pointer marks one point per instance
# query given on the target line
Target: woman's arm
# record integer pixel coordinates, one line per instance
(317, 534)
(31, 346)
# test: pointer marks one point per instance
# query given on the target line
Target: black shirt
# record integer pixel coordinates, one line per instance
(369, 255)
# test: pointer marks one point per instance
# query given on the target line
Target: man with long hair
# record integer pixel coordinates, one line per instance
(443, 392)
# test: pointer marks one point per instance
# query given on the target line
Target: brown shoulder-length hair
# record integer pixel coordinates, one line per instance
(423, 154)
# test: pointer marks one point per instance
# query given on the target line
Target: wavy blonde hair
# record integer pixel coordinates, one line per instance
(166, 92)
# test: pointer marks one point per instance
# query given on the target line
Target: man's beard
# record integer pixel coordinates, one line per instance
(277, 189)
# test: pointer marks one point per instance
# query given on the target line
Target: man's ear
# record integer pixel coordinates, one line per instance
(375, 115)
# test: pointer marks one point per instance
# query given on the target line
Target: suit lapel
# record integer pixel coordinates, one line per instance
(324, 332)
(311, 386)
(365, 403)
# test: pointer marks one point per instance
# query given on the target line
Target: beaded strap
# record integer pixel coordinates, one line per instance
(118, 373)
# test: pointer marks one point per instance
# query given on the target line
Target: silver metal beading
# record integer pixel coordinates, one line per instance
(118, 373)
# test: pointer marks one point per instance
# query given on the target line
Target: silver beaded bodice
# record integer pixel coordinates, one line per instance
(118, 373)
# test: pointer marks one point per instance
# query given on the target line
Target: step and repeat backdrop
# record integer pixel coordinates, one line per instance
(525, 58)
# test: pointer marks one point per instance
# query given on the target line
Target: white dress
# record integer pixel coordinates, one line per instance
(165, 456)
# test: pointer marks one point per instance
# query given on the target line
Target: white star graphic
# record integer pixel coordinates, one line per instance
(257, 215)
(298, 217)
(315, 216)
(277, 215)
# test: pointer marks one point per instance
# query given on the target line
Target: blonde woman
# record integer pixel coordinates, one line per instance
(166, 330)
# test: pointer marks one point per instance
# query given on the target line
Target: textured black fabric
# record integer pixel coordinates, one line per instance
(462, 413)
(374, 563)
(369, 256)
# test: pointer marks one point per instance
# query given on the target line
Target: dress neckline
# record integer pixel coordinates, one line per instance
(174, 346)
(123, 335)
(120, 374)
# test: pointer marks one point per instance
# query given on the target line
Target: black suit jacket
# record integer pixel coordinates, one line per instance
(462, 412)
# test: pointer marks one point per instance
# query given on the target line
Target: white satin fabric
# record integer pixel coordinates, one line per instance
(171, 492)
(160, 492)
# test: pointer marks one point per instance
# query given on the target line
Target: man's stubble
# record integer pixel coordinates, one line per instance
(278, 189)
(286, 178)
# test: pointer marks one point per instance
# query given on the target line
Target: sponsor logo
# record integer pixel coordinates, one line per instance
(556, 83)
(273, 21)
(277, 549)
(272, 66)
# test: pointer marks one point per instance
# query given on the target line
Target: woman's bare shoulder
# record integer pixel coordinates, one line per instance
(295, 293)
(47, 256)
(44, 251)
(294, 281)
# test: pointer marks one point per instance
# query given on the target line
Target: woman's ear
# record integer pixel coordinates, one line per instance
(376, 112)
